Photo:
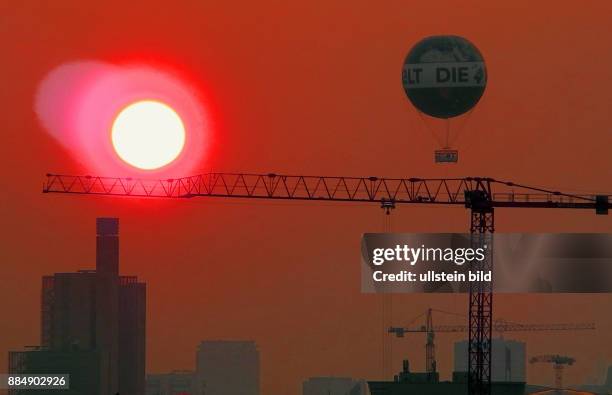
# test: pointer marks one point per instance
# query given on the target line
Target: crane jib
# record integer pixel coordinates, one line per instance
(471, 192)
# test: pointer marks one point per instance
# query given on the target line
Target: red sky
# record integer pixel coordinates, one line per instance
(307, 88)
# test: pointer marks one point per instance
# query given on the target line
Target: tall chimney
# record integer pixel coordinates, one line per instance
(107, 245)
(107, 302)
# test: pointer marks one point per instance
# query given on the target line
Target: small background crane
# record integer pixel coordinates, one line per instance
(498, 326)
(559, 362)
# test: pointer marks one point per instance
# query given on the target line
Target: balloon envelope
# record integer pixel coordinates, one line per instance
(444, 76)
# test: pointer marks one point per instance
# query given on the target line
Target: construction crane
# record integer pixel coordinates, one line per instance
(558, 362)
(480, 195)
(499, 326)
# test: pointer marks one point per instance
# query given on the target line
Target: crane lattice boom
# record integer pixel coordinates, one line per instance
(446, 191)
(498, 326)
(556, 359)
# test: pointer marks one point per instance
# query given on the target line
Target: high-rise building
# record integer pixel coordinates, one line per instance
(228, 367)
(95, 313)
(508, 360)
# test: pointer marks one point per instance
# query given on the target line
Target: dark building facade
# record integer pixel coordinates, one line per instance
(83, 367)
(99, 313)
(426, 383)
(333, 386)
(132, 319)
(228, 367)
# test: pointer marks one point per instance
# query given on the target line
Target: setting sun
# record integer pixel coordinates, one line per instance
(148, 134)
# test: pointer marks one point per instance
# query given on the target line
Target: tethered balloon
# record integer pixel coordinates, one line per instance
(444, 77)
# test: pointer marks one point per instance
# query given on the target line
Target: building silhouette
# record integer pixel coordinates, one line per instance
(92, 325)
(333, 386)
(228, 367)
(173, 383)
(425, 383)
